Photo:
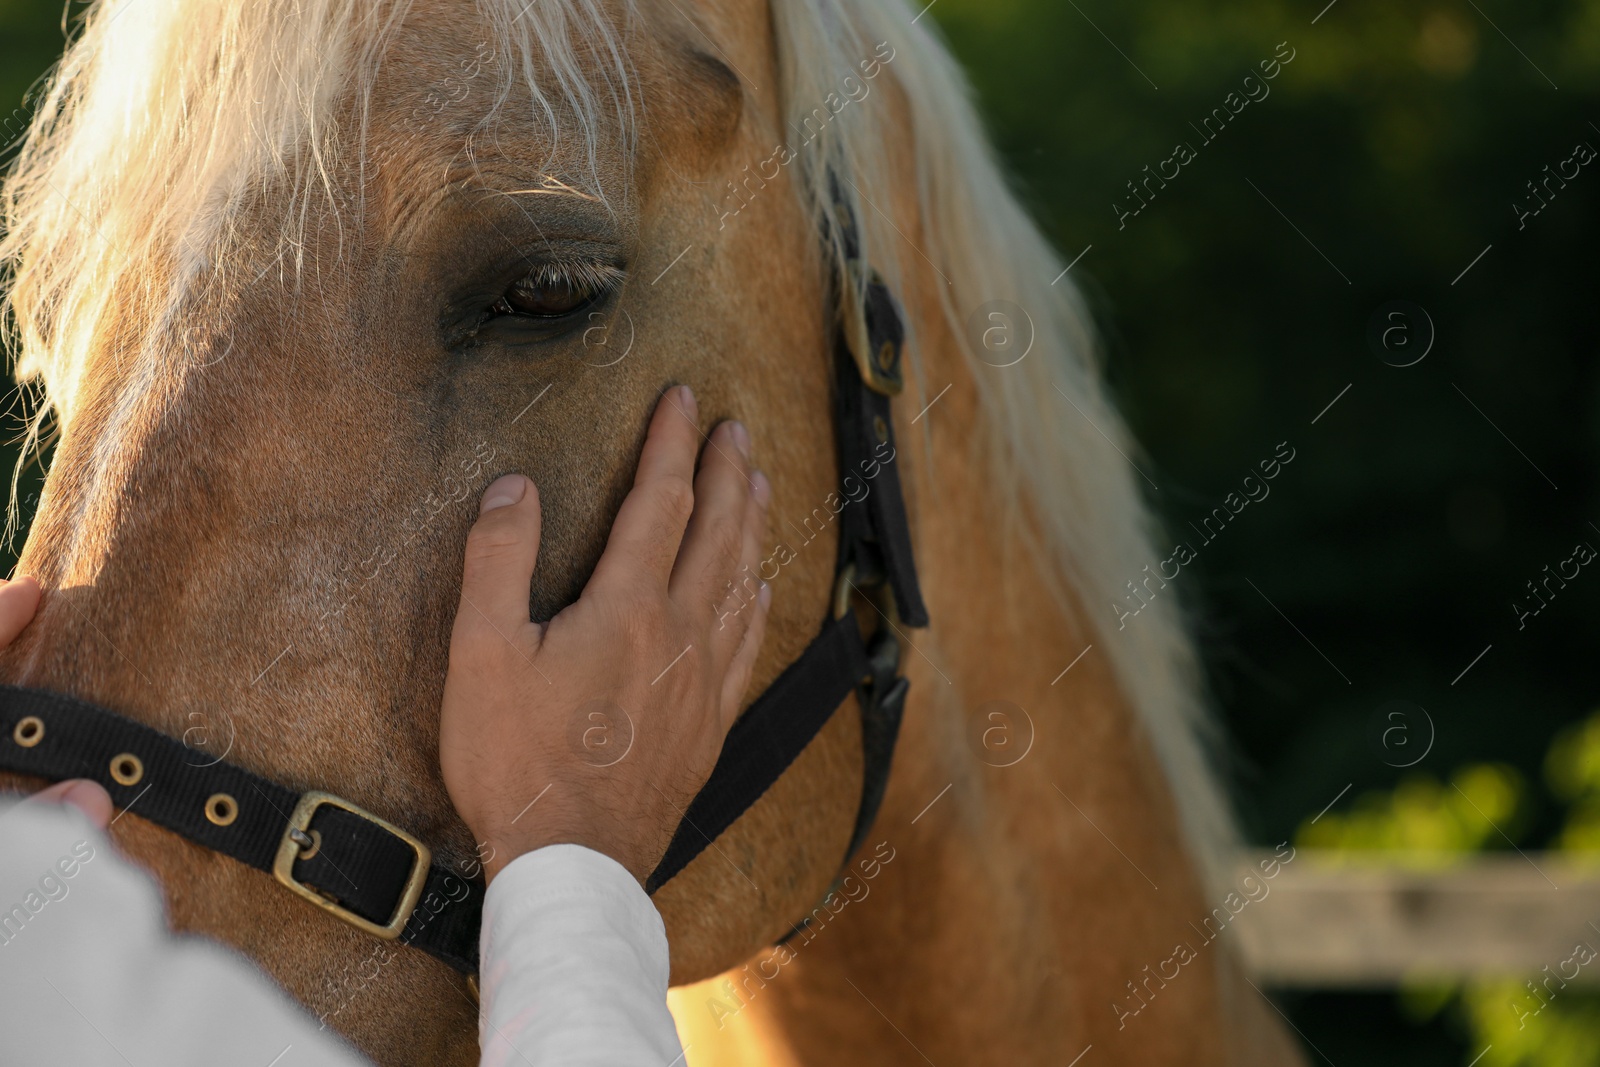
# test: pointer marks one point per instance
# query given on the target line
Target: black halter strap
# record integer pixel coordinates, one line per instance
(381, 879)
(874, 553)
(371, 874)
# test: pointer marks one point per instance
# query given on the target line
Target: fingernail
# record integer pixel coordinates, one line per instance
(741, 438)
(503, 492)
(761, 488)
(691, 407)
(764, 594)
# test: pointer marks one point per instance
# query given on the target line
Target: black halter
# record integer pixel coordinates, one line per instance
(380, 878)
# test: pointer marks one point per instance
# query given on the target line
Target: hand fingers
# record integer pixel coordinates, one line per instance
(502, 550)
(19, 599)
(88, 797)
(738, 597)
(645, 538)
(744, 660)
(715, 538)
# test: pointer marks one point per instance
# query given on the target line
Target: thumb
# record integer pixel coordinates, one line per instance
(502, 549)
(88, 797)
(19, 599)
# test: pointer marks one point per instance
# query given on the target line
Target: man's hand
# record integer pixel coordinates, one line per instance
(599, 727)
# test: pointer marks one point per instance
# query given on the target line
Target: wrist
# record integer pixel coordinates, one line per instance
(504, 849)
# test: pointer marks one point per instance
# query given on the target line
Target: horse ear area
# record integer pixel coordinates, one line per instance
(706, 105)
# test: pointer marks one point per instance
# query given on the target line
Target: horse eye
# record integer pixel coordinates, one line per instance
(544, 297)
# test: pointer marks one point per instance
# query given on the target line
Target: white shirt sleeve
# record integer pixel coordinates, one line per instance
(574, 966)
(90, 974)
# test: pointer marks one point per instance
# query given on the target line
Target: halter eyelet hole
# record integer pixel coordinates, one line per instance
(881, 428)
(29, 731)
(886, 356)
(221, 809)
(127, 769)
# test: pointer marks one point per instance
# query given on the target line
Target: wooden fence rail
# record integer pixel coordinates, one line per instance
(1328, 923)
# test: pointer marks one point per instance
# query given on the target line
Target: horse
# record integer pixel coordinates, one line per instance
(270, 272)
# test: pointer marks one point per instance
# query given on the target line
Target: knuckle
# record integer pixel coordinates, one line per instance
(490, 539)
(644, 625)
(675, 497)
(727, 537)
(744, 588)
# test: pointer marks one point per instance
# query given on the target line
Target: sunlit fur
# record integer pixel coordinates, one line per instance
(167, 117)
(196, 166)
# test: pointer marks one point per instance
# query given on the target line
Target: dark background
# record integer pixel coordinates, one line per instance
(1396, 141)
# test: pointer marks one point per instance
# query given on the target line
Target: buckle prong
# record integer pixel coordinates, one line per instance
(298, 836)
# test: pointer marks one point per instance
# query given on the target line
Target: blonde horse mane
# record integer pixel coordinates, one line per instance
(166, 118)
(1057, 447)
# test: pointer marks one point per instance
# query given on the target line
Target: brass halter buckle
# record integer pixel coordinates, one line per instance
(289, 850)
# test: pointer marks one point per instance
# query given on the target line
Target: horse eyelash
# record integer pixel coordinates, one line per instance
(581, 274)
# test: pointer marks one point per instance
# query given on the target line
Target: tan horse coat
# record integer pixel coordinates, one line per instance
(252, 530)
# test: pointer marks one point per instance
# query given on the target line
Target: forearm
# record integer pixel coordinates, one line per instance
(575, 966)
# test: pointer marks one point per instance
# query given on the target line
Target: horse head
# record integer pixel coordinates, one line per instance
(399, 252)
(298, 283)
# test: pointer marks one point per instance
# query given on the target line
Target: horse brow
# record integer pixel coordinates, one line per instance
(720, 77)
(725, 87)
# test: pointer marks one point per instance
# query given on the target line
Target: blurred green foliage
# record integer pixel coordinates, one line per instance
(1387, 156)
(1573, 770)
(1423, 823)
(1515, 1020)
(1565, 1033)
